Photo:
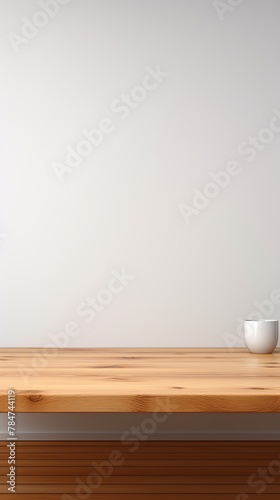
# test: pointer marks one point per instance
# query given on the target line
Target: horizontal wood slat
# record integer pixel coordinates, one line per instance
(244, 471)
(142, 463)
(140, 496)
(149, 445)
(142, 488)
(143, 471)
(160, 479)
(145, 496)
(175, 458)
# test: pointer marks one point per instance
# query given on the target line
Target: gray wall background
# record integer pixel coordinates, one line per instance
(180, 189)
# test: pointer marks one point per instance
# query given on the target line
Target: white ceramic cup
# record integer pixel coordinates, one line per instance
(261, 335)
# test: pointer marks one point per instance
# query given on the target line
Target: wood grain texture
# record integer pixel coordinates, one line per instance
(140, 380)
(205, 479)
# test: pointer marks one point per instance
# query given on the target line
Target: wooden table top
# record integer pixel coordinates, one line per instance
(140, 380)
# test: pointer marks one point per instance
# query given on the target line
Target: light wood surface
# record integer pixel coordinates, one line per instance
(140, 380)
(201, 470)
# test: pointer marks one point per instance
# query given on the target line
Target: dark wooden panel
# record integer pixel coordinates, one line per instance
(165, 470)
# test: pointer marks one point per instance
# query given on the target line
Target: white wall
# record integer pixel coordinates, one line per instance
(195, 277)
